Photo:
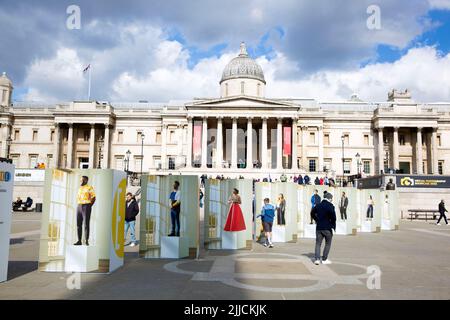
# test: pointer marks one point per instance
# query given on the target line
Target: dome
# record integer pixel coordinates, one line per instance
(4, 80)
(243, 67)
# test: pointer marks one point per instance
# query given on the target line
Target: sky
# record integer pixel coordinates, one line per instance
(165, 50)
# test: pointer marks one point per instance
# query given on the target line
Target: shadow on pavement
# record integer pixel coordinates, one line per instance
(19, 268)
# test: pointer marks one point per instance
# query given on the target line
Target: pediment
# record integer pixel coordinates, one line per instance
(241, 102)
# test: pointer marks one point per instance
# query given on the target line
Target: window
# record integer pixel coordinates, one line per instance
(312, 165)
(366, 166)
(4, 96)
(326, 139)
(33, 160)
(441, 167)
(137, 163)
(35, 134)
(172, 136)
(17, 135)
(366, 139)
(157, 162)
(226, 89)
(49, 161)
(347, 165)
(401, 139)
(52, 135)
(171, 163)
(439, 141)
(86, 134)
(346, 139)
(327, 164)
(120, 136)
(119, 162)
(15, 159)
(312, 137)
(139, 136)
(242, 87)
(158, 137)
(385, 139)
(258, 89)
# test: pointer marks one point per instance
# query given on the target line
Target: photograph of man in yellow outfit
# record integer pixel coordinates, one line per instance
(85, 200)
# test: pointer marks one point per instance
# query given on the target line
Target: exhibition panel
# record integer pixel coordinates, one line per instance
(6, 192)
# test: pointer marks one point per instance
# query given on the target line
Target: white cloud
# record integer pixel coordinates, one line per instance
(439, 4)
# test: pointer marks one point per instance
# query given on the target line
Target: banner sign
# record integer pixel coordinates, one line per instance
(29, 175)
(287, 146)
(6, 192)
(197, 141)
(414, 181)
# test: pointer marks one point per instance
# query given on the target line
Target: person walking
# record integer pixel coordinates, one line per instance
(370, 204)
(315, 200)
(442, 211)
(175, 209)
(85, 199)
(267, 216)
(131, 211)
(281, 210)
(343, 204)
(325, 217)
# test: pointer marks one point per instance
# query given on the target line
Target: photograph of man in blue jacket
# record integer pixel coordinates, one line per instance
(315, 200)
(325, 217)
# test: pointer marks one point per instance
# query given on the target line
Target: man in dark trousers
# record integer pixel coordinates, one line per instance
(131, 211)
(442, 211)
(175, 209)
(85, 199)
(315, 200)
(325, 217)
(343, 204)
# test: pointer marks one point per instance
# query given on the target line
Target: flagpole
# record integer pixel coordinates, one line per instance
(89, 85)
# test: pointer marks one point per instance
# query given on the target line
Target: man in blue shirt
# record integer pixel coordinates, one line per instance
(325, 217)
(315, 200)
(267, 217)
(175, 208)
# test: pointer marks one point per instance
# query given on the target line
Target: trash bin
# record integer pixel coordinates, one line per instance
(38, 207)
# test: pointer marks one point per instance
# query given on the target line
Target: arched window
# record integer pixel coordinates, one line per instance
(242, 87)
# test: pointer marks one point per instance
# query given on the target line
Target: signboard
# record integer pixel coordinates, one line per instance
(6, 189)
(425, 181)
(287, 146)
(370, 183)
(29, 175)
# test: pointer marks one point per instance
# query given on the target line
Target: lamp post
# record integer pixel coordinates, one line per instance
(100, 155)
(358, 162)
(8, 145)
(343, 161)
(127, 161)
(142, 151)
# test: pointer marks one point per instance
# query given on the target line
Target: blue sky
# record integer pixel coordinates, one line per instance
(158, 51)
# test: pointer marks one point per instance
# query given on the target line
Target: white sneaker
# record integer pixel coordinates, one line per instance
(438, 224)
(271, 245)
(317, 262)
(328, 261)
(132, 244)
(265, 244)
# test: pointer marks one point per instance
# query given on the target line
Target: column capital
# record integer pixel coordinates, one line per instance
(419, 129)
(250, 118)
(234, 118)
(304, 128)
(70, 124)
(294, 118)
(434, 129)
(264, 118)
(280, 119)
(189, 118)
(219, 118)
(92, 125)
(204, 118)
(396, 128)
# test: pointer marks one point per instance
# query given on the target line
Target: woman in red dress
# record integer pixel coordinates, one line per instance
(235, 219)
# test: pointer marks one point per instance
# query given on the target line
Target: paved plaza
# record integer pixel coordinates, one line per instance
(414, 263)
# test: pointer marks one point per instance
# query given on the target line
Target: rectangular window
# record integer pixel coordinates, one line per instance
(15, 159)
(401, 139)
(439, 140)
(242, 87)
(4, 96)
(366, 139)
(171, 163)
(33, 160)
(366, 166)
(16, 134)
(327, 164)
(120, 136)
(157, 162)
(326, 139)
(172, 136)
(139, 137)
(312, 165)
(119, 163)
(137, 163)
(49, 161)
(347, 166)
(158, 137)
(441, 167)
(35, 134)
(346, 139)
(312, 138)
(52, 135)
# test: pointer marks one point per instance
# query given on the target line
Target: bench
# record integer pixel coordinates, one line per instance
(423, 213)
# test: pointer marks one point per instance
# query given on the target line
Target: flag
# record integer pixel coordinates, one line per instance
(87, 68)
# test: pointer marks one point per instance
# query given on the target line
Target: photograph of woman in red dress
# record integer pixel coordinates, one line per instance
(235, 219)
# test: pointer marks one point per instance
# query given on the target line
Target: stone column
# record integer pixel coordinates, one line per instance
(178, 159)
(395, 161)
(219, 143)
(249, 143)
(6, 133)
(280, 144)
(92, 147)
(57, 146)
(234, 144)
(163, 147)
(380, 150)
(264, 143)
(320, 140)
(419, 151)
(106, 147)
(304, 143)
(434, 152)
(294, 144)
(70, 147)
(204, 142)
(189, 143)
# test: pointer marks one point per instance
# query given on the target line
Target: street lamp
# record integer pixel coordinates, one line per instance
(343, 161)
(142, 150)
(100, 155)
(8, 144)
(358, 162)
(127, 161)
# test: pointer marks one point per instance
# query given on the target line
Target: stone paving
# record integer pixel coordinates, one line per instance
(414, 263)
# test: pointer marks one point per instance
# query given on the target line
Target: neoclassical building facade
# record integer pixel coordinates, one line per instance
(242, 132)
